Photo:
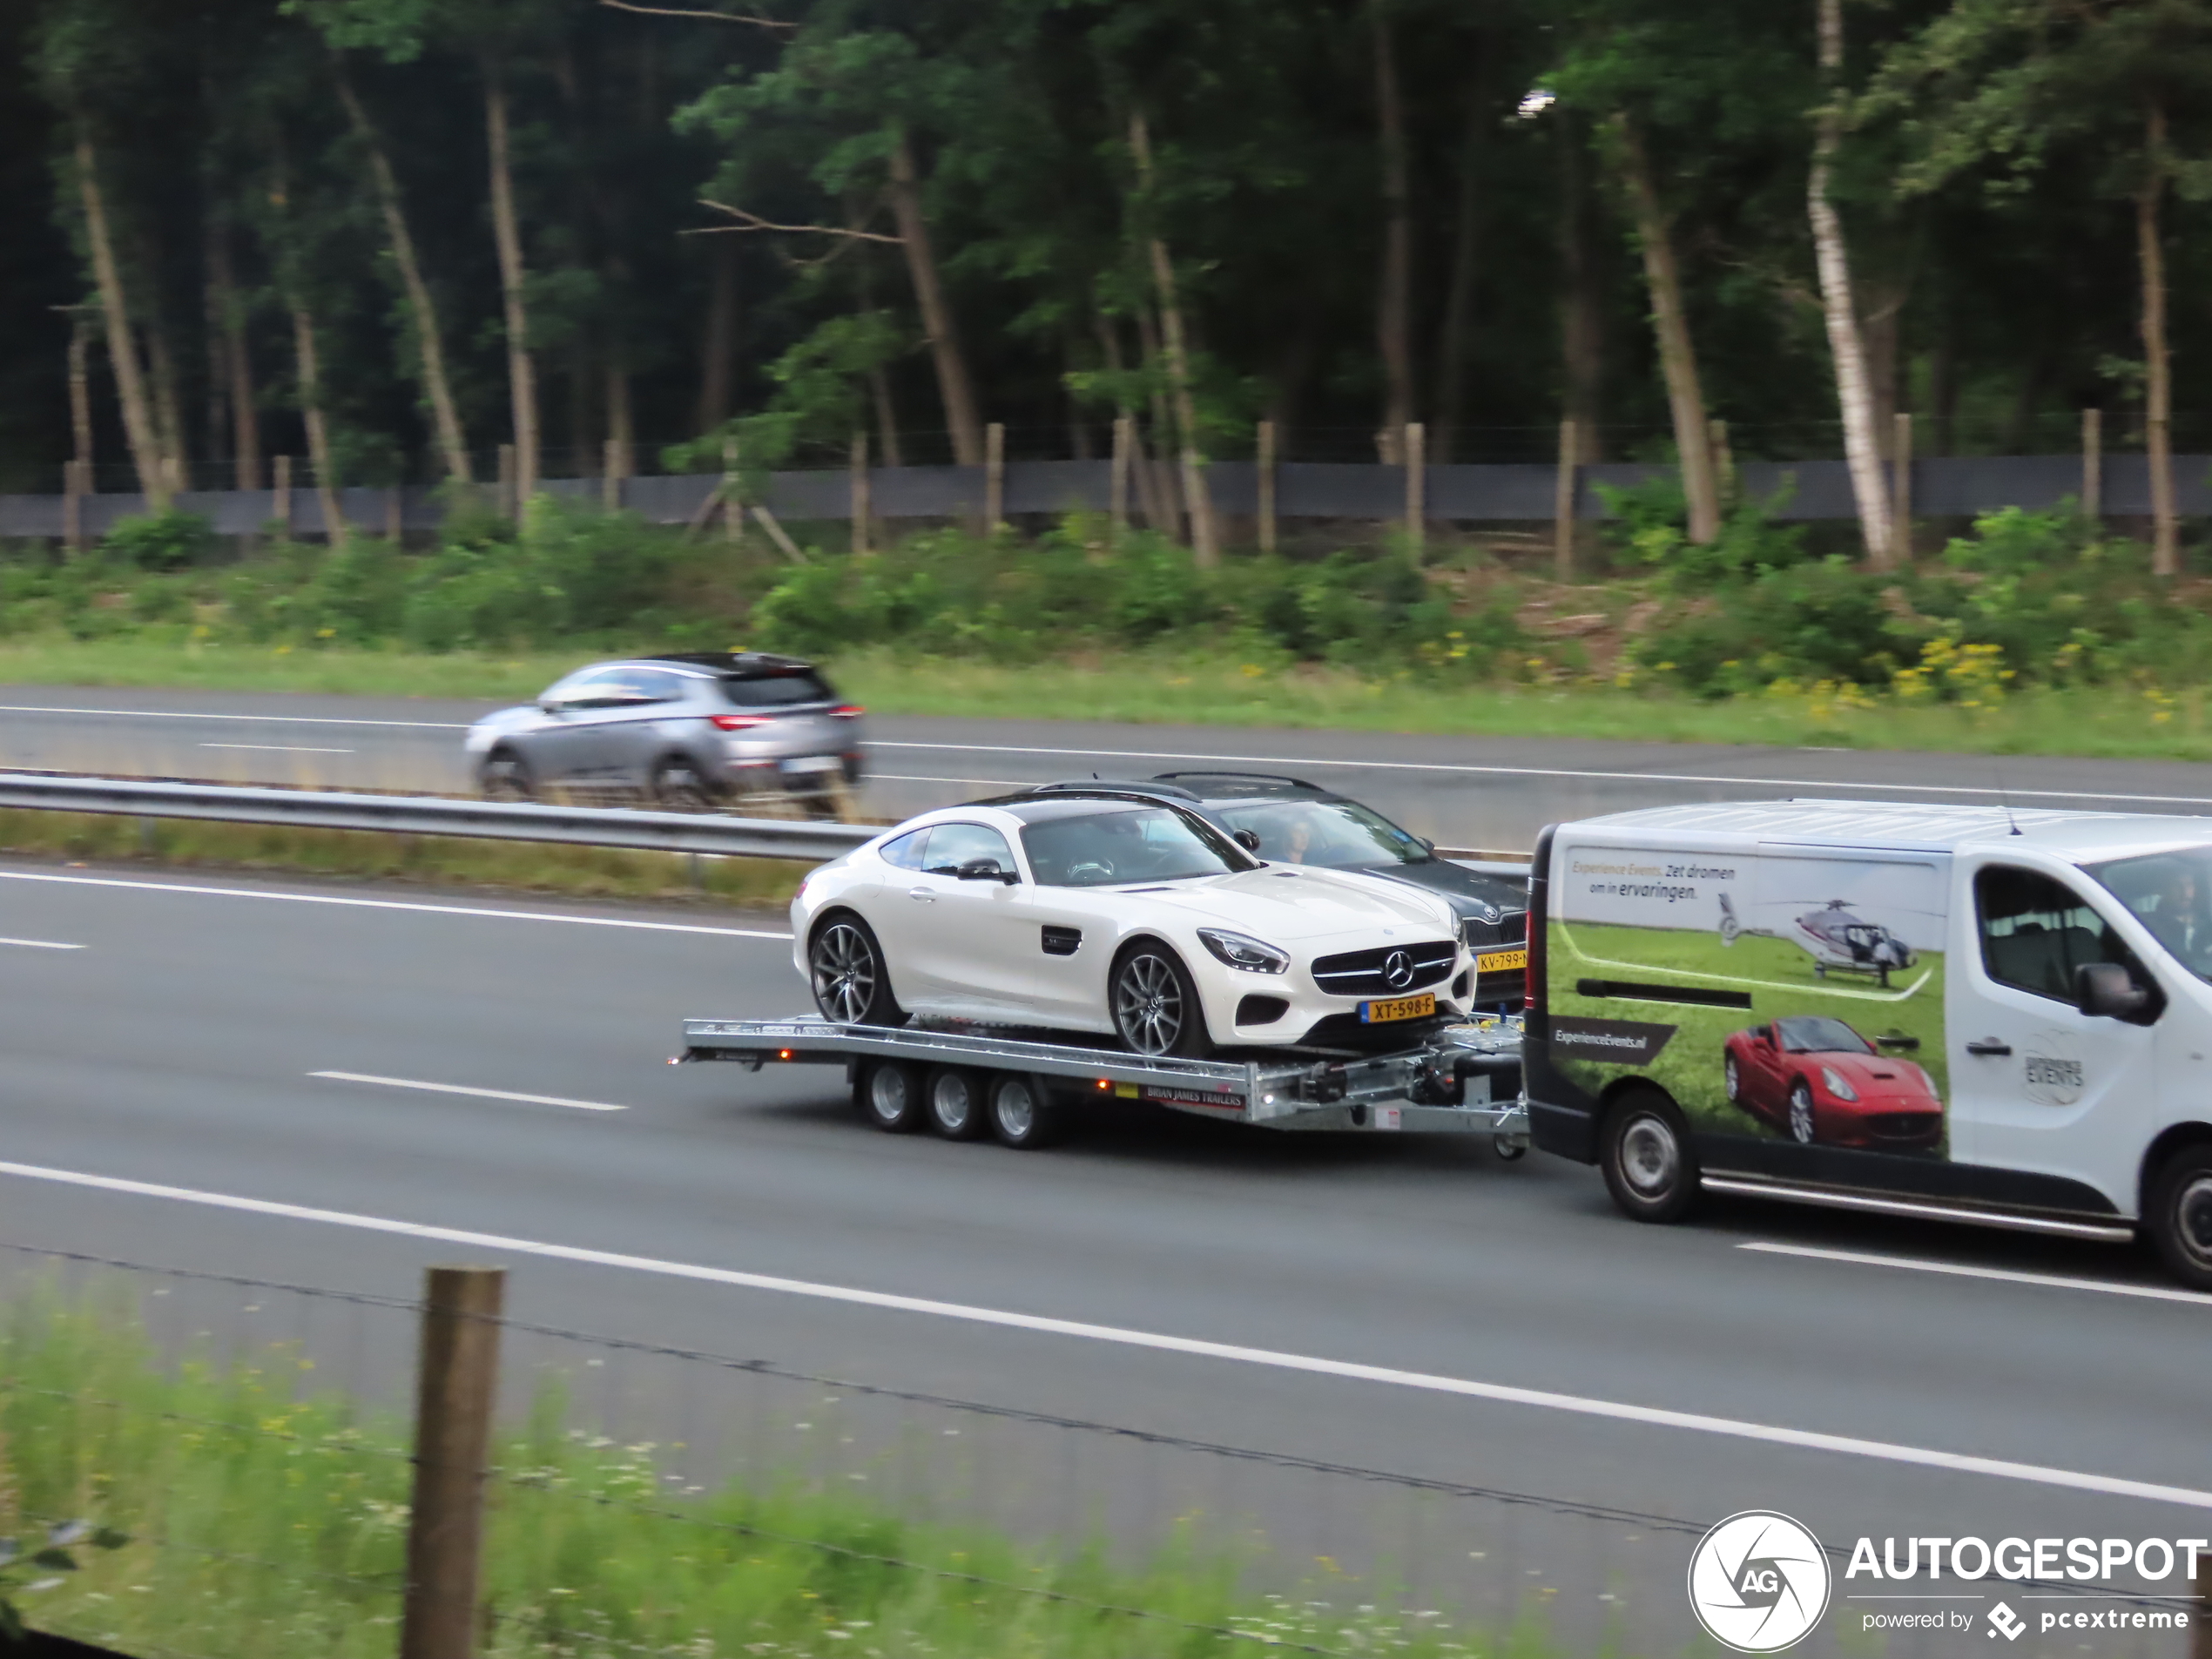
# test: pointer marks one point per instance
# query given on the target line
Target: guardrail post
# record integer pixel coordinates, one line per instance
(458, 1369)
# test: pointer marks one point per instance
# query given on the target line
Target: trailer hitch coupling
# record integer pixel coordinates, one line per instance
(1324, 1083)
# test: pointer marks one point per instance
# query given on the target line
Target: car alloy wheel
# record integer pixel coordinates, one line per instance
(678, 787)
(505, 778)
(1801, 1124)
(847, 973)
(1731, 1083)
(1149, 1010)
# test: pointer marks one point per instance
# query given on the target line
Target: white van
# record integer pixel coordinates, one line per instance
(1967, 1014)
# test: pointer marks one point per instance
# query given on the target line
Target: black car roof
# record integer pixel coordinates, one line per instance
(736, 664)
(1240, 785)
(1032, 807)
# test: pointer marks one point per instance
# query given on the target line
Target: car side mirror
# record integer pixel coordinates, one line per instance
(1426, 845)
(2108, 991)
(984, 870)
(552, 705)
(1249, 840)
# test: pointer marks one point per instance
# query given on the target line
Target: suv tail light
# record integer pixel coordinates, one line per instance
(737, 722)
(847, 711)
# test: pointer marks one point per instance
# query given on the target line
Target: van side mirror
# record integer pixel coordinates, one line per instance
(1249, 840)
(1898, 1041)
(2108, 991)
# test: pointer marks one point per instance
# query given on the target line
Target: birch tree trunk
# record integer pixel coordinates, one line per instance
(1206, 545)
(1861, 441)
(521, 368)
(1394, 285)
(311, 416)
(954, 387)
(80, 400)
(2158, 369)
(146, 457)
(429, 343)
(238, 364)
(1670, 322)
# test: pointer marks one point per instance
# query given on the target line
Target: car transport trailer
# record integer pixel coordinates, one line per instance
(964, 1083)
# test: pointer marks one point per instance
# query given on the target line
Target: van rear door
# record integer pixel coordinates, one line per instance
(2037, 1086)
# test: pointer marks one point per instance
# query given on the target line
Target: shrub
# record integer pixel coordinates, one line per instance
(168, 539)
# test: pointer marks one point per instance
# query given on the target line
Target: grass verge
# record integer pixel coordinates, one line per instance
(268, 1522)
(1172, 689)
(578, 871)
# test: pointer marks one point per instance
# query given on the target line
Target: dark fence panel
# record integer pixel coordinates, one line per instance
(1944, 486)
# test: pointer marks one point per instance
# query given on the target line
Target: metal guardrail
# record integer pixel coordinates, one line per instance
(648, 832)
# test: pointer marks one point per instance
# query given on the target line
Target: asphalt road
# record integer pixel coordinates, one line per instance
(1460, 791)
(1371, 1302)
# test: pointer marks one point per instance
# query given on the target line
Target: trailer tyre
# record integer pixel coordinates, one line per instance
(956, 1102)
(1651, 1168)
(890, 1094)
(1023, 1115)
(2179, 1215)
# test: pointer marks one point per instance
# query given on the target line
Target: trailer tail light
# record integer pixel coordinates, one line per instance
(737, 722)
(847, 711)
(782, 1054)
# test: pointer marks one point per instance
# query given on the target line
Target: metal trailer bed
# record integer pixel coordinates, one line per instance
(1463, 1079)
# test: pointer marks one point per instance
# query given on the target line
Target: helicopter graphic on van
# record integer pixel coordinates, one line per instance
(1838, 941)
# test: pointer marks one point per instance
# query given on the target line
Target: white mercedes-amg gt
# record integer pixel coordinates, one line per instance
(1116, 913)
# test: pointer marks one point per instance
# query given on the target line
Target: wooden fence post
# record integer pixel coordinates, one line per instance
(507, 502)
(455, 1387)
(1267, 531)
(993, 478)
(75, 486)
(1414, 447)
(396, 514)
(610, 476)
(1723, 459)
(1117, 484)
(861, 506)
(1563, 492)
(732, 507)
(2092, 469)
(1901, 493)
(281, 483)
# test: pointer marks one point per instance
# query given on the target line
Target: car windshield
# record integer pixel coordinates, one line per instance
(2168, 893)
(777, 691)
(1814, 1034)
(1105, 849)
(1341, 835)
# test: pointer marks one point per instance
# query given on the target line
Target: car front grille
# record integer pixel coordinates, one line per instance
(1905, 1126)
(1362, 973)
(1506, 930)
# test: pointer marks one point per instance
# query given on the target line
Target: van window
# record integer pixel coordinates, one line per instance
(2168, 892)
(2036, 931)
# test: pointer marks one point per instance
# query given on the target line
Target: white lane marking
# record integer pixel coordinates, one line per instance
(1563, 772)
(272, 719)
(464, 1088)
(40, 944)
(1809, 1440)
(2005, 1274)
(392, 904)
(279, 748)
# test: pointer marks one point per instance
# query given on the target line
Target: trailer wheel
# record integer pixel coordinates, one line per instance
(890, 1095)
(2179, 1215)
(956, 1102)
(1023, 1115)
(1651, 1168)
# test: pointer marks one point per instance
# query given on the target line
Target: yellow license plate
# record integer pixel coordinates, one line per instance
(1399, 1008)
(1501, 962)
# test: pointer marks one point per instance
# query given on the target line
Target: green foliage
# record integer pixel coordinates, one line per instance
(164, 541)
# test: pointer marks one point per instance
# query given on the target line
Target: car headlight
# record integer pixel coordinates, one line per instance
(1242, 951)
(1837, 1085)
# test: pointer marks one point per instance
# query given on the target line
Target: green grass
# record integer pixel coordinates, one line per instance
(585, 871)
(1181, 688)
(268, 1521)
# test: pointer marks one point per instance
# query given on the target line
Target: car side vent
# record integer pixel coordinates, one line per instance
(1062, 941)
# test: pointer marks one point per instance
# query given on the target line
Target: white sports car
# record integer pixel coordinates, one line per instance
(1116, 914)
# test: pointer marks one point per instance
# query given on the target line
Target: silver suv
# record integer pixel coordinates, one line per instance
(683, 731)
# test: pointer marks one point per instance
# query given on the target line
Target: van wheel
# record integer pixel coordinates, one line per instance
(890, 1095)
(2179, 1216)
(1651, 1168)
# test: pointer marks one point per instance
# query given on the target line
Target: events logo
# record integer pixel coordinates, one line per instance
(2005, 1623)
(1758, 1582)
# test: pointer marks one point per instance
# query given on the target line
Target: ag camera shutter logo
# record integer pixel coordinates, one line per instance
(1759, 1581)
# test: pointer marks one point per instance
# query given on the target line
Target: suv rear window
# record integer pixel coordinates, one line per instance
(778, 690)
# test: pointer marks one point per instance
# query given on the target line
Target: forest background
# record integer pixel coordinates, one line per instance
(395, 237)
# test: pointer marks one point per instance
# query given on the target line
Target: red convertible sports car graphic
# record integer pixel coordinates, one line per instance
(1820, 1081)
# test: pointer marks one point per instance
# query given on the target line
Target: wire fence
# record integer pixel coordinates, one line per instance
(654, 1499)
